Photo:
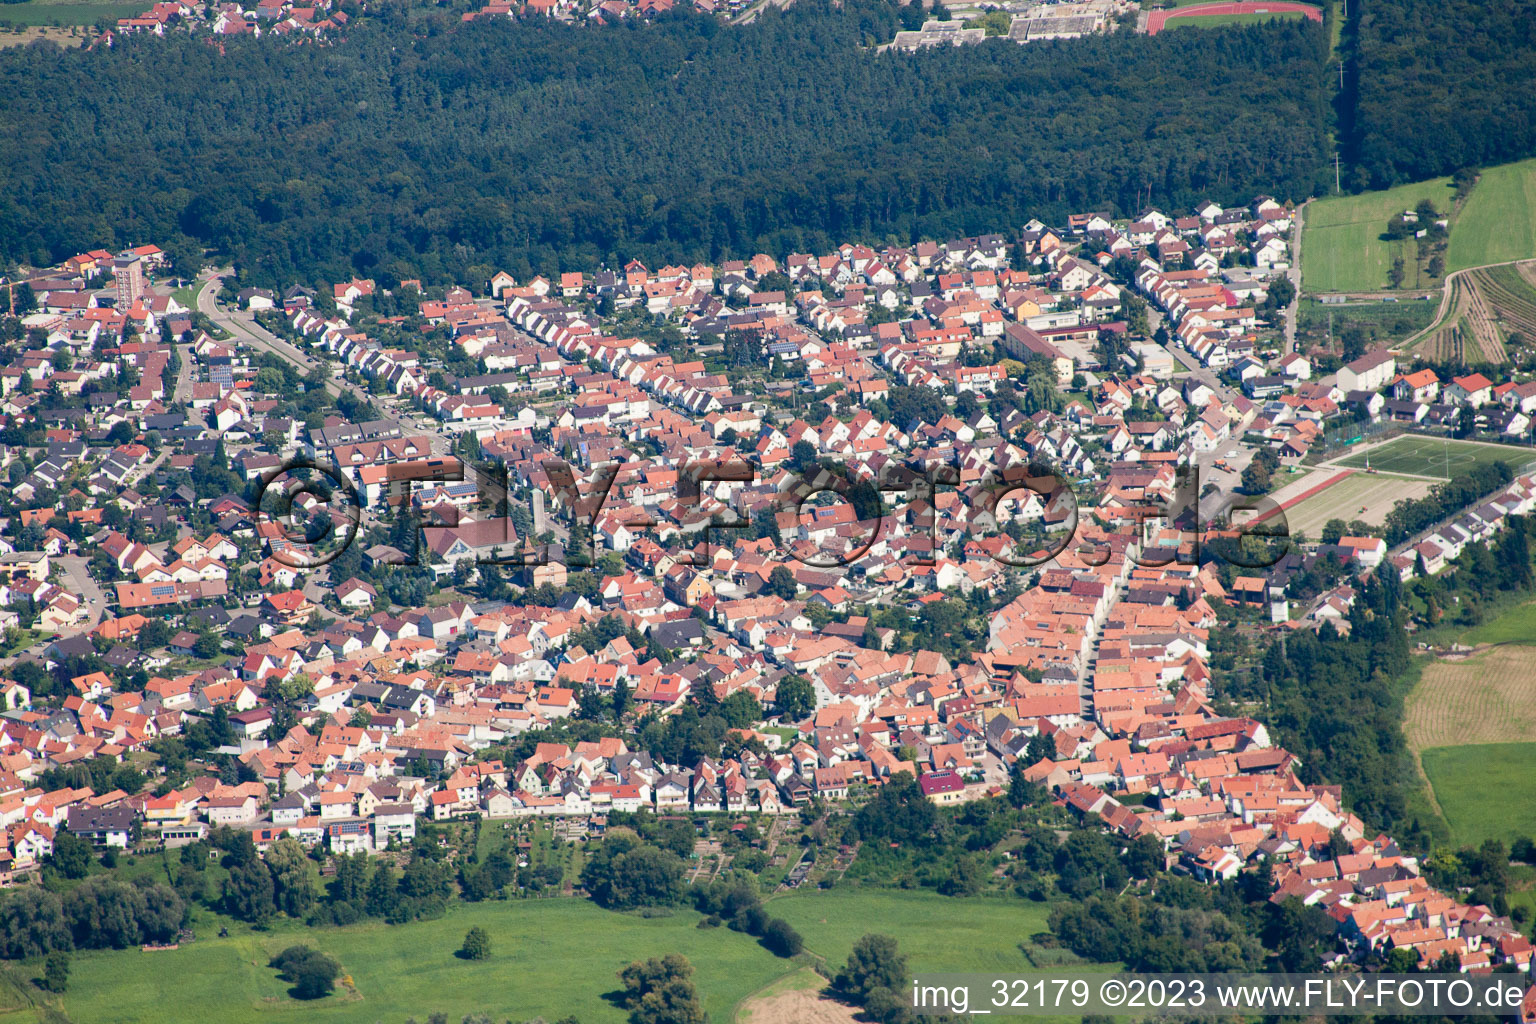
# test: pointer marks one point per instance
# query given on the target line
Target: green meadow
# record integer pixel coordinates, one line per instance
(550, 958)
(1498, 222)
(1484, 790)
(1341, 245)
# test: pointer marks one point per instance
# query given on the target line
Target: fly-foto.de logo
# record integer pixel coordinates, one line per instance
(1021, 515)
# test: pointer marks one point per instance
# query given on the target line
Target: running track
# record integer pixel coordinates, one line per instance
(1303, 496)
(1157, 19)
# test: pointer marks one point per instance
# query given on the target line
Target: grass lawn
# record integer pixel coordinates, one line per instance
(1498, 221)
(1217, 20)
(1485, 790)
(1437, 457)
(187, 295)
(68, 12)
(23, 638)
(1522, 892)
(549, 958)
(1516, 626)
(1341, 245)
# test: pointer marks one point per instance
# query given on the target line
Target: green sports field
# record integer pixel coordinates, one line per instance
(1498, 221)
(1218, 20)
(1484, 790)
(1416, 455)
(549, 958)
(1341, 245)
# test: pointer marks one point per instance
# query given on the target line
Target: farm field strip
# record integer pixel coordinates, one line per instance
(1512, 296)
(1487, 698)
(68, 12)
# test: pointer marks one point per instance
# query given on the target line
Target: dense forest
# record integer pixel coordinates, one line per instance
(421, 147)
(1436, 85)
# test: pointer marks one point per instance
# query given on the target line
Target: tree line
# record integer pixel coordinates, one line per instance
(1432, 86)
(423, 148)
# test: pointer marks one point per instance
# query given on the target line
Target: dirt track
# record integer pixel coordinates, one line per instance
(804, 1006)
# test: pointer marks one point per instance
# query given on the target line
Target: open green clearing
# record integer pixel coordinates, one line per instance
(1415, 455)
(1484, 790)
(1341, 247)
(550, 957)
(1498, 221)
(68, 12)
(187, 295)
(936, 933)
(1516, 626)
(1218, 20)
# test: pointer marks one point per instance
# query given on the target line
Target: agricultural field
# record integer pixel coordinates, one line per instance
(67, 12)
(1487, 309)
(1364, 496)
(550, 957)
(1497, 222)
(25, 35)
(796, 1000)
(978, 934)
(1441, 458)
(1510, 292)
(1341, 246)
(1484, 790)
(1487, 698)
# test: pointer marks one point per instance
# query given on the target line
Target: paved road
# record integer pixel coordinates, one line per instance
(183, 390)
(1294, 275)
(242, 324)
(750, 14)
(1199, 371)
(140, 472)
(80, 582)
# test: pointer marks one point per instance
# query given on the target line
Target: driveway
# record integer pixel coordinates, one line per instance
(80, 582)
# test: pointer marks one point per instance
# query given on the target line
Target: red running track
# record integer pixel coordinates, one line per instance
(1157, 19)
(1303, 496)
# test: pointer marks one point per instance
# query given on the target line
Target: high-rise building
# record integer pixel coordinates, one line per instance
(128, 268)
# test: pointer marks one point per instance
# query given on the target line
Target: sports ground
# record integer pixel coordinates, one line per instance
(1367, 497)
(1439, 458)
(1235, 12)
